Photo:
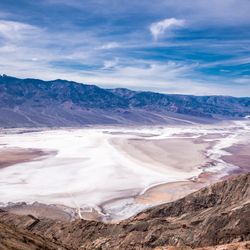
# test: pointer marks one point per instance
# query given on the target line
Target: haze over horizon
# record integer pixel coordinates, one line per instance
(184, 47)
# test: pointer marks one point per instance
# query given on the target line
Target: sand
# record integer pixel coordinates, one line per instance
(165, 155)
(239, 156)
(168, 192)
(39, 210)
(11, 156)
(172, 191)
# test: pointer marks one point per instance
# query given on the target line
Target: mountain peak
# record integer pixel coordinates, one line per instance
(24, 100)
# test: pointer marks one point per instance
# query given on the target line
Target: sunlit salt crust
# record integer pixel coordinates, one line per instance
(88, 170)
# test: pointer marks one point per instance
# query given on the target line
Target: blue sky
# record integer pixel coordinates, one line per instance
(173, 46)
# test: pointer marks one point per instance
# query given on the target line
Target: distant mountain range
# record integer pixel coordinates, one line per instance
(37, 103)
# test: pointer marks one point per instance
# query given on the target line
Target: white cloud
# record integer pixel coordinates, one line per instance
(160, 28)
(111, 45)
(11, 30)
(109, 64)
(170, 77)
(22, 43)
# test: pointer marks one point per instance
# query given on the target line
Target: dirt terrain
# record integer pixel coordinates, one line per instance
(215, 215)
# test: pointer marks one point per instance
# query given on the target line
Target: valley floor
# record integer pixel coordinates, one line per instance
(112, 173)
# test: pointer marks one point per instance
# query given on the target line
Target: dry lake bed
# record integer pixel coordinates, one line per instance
(111, 173)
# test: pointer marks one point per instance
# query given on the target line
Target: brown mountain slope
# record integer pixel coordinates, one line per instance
(12, 238)
(219, 214)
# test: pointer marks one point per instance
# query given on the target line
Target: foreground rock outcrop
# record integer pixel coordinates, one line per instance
(17, 238)
(216, 215)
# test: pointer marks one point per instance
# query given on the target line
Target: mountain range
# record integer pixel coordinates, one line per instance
(37, 103)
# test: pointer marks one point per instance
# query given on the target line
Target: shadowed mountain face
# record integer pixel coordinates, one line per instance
(32, 102)
(219, 214)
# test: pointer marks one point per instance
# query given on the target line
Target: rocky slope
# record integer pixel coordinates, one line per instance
(219, 214)
(18, 239)
(36, 103)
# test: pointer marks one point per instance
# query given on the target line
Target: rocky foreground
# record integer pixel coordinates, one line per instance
(216, 215)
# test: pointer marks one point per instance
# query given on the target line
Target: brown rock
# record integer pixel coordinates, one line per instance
(216, 215)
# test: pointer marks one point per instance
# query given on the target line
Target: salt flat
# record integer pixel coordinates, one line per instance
(108, 172)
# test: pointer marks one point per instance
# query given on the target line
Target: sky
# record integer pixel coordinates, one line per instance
(199, 47)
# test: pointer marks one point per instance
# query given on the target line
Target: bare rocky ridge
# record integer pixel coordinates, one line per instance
(13, 238)
(219, 214)
(60, 103)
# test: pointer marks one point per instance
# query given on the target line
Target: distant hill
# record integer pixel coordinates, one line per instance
(37, 103)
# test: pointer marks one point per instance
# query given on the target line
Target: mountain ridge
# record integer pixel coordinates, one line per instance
(33, 102)
(215, 215)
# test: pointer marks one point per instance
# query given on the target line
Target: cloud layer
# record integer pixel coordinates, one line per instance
(175, 46)
(160, 28)
(13, 31)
